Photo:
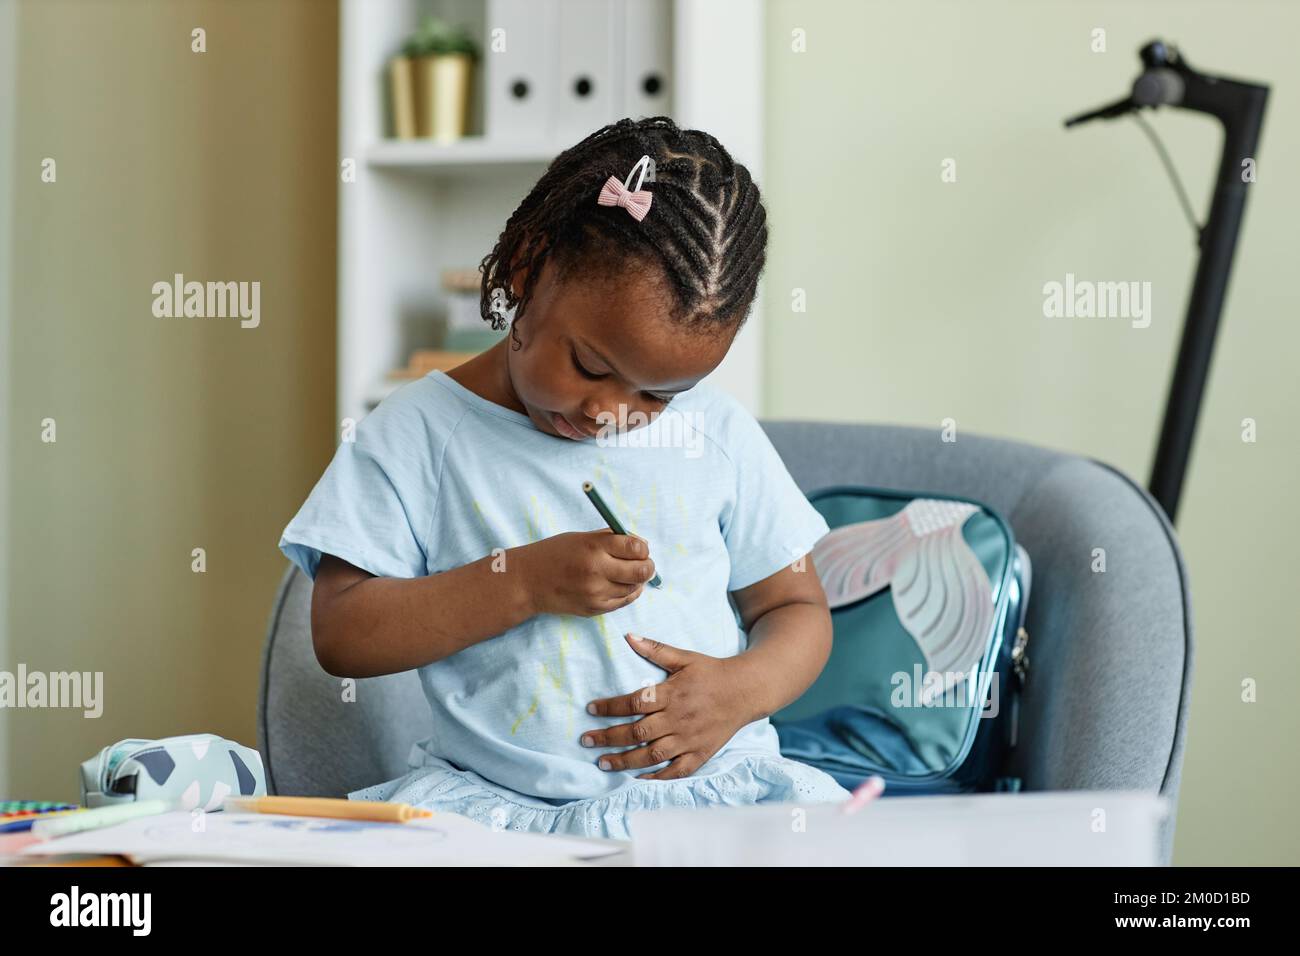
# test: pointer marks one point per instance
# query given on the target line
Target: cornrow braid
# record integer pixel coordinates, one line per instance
(707, 228)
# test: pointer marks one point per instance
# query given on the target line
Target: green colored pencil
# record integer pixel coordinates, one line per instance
(614, 524)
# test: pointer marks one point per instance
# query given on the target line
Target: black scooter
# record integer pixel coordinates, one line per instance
(1167, 80)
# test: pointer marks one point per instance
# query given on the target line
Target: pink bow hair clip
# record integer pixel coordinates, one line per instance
(635, 201)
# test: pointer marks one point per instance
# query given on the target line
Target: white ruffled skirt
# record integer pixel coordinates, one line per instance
(728, 779)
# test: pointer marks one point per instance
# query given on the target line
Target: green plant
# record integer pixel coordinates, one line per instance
(436, 36)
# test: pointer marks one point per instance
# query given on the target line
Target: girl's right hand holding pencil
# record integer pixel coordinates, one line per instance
(363, 625)
(585, 572)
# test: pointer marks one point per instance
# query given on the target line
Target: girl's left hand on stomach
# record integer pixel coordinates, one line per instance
(686, 718)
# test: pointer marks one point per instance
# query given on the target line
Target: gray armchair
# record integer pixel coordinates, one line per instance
(1110, 653)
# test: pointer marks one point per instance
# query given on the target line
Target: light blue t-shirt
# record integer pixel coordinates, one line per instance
(439, 476)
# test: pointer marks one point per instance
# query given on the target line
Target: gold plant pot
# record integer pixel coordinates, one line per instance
(401, 88)
(442, 95)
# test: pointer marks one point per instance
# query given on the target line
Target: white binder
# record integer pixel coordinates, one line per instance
(521, 79)
(647, 58)
(588, 91)
(571, 66)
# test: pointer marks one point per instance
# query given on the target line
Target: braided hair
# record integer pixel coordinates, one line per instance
(706, 230)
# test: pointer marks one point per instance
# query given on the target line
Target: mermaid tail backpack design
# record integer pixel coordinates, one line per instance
(928, 597)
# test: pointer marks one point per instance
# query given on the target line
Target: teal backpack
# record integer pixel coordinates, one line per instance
(928, 597)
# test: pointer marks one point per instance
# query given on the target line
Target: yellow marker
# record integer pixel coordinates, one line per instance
(378, 810)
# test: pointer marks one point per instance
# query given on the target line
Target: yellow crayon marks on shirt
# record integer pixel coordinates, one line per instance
(685, 523)
(625, 513)
(545, 520)
(548, 683)
(566, 695)
(669, 592)
(566, 634)
(604, 635)
(532, 709)
(534, 535)
(654, 504)
(489, 538)
(539, 520)
(679, 548)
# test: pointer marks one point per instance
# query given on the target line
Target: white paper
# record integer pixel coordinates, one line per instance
(445, 839)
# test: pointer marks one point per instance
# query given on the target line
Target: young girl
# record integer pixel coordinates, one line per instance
(454, 536)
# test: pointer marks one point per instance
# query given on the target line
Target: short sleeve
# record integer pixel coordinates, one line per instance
(769, 524)
(374, 504)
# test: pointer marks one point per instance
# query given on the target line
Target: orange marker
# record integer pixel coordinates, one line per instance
(377, 810)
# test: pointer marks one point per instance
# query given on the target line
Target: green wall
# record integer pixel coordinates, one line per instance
(172, 434)
(925, 301)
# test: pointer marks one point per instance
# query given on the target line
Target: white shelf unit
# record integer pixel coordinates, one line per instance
(417, 207)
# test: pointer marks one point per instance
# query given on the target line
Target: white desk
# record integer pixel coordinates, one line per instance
(1064, 828)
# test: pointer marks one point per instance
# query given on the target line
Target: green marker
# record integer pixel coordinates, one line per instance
(614, 524)
(94, 818)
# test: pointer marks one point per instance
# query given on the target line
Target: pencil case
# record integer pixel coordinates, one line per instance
(190, 771)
